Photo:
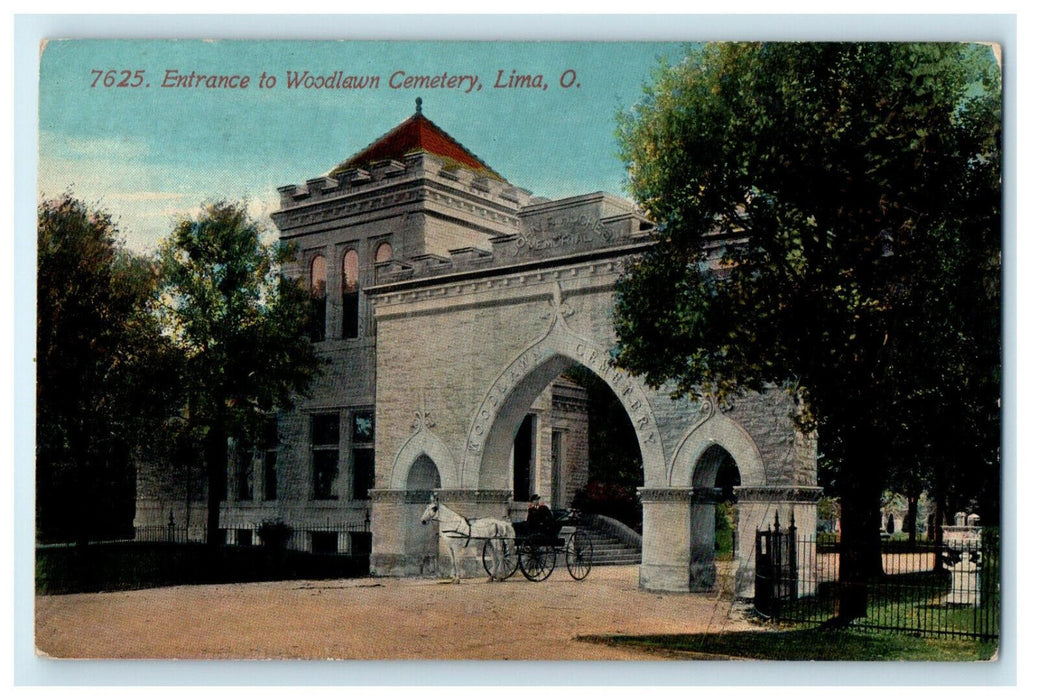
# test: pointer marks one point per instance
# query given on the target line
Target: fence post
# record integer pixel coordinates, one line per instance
(762, 577)
(794, 577)
(170, 526)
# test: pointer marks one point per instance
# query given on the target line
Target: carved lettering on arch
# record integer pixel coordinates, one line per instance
(566, 344)
(508, 380)
(623, 386)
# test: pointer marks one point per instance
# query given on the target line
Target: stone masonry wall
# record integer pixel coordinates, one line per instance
(788, 454)
(472, 330)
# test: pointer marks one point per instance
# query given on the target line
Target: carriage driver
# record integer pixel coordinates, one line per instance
(539, 515)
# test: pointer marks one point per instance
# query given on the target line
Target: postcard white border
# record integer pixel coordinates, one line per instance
(30, 29)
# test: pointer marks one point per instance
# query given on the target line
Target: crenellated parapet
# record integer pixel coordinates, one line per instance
(546, 230)
(418, 178)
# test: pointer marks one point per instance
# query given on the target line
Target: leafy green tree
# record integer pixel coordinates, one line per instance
(243, 330)
(104, 374)
(851, 193)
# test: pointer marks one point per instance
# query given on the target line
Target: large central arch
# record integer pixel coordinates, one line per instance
(493, 426)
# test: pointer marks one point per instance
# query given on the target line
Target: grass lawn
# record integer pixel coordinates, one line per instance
(807, 645)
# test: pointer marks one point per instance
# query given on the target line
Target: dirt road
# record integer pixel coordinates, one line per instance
(373, 619)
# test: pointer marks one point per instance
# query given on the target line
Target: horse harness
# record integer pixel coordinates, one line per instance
(468, 536)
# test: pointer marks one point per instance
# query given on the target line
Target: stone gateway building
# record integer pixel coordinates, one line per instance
(448, 305)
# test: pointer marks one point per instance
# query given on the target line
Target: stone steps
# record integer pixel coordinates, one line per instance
(607, 550)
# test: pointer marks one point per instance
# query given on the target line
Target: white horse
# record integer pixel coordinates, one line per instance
(460, 532)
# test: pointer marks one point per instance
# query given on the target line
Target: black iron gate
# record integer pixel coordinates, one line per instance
(775, 583)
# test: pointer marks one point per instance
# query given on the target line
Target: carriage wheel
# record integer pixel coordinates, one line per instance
(578, 555)
(535, 562)
(511, 562)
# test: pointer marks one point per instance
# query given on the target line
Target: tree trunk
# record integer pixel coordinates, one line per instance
(912, 517)
(860, 486)
(83, 465)
(85, 502)
(216, 470)
(938, 531)
(939, 509)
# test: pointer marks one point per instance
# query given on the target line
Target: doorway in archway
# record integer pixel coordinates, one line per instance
(549, 448)
(524, 458)
(726, 516)
(422, 478)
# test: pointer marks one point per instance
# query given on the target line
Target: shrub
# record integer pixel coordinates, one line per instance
(612, 500)
(724, 530)
(274, 534)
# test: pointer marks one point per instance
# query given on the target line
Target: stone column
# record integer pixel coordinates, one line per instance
(757, 507)
(333, 303)
(666, 538)
(400, 544)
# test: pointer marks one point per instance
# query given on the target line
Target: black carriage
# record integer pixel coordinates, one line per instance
(534, 550)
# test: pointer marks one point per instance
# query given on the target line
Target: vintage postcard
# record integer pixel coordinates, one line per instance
(625, 350)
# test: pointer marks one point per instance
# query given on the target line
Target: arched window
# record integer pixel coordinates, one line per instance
(350, 294)
(318, 297)
(383, 253)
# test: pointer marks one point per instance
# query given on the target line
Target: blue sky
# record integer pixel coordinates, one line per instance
(149, 154)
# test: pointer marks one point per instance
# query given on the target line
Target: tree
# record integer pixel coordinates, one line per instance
(104, 374)
(853, 193)
(243, 330)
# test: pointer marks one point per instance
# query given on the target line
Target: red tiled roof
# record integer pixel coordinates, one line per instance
(417, 135)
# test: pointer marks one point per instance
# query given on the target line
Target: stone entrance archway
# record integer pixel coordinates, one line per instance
(463, 354)
(453, 299)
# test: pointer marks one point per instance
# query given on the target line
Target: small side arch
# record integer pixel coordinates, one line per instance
(723, 431)
(424, 443)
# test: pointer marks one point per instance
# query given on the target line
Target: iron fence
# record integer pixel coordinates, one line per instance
(168, 533)
(948, 591)
(350, 537)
